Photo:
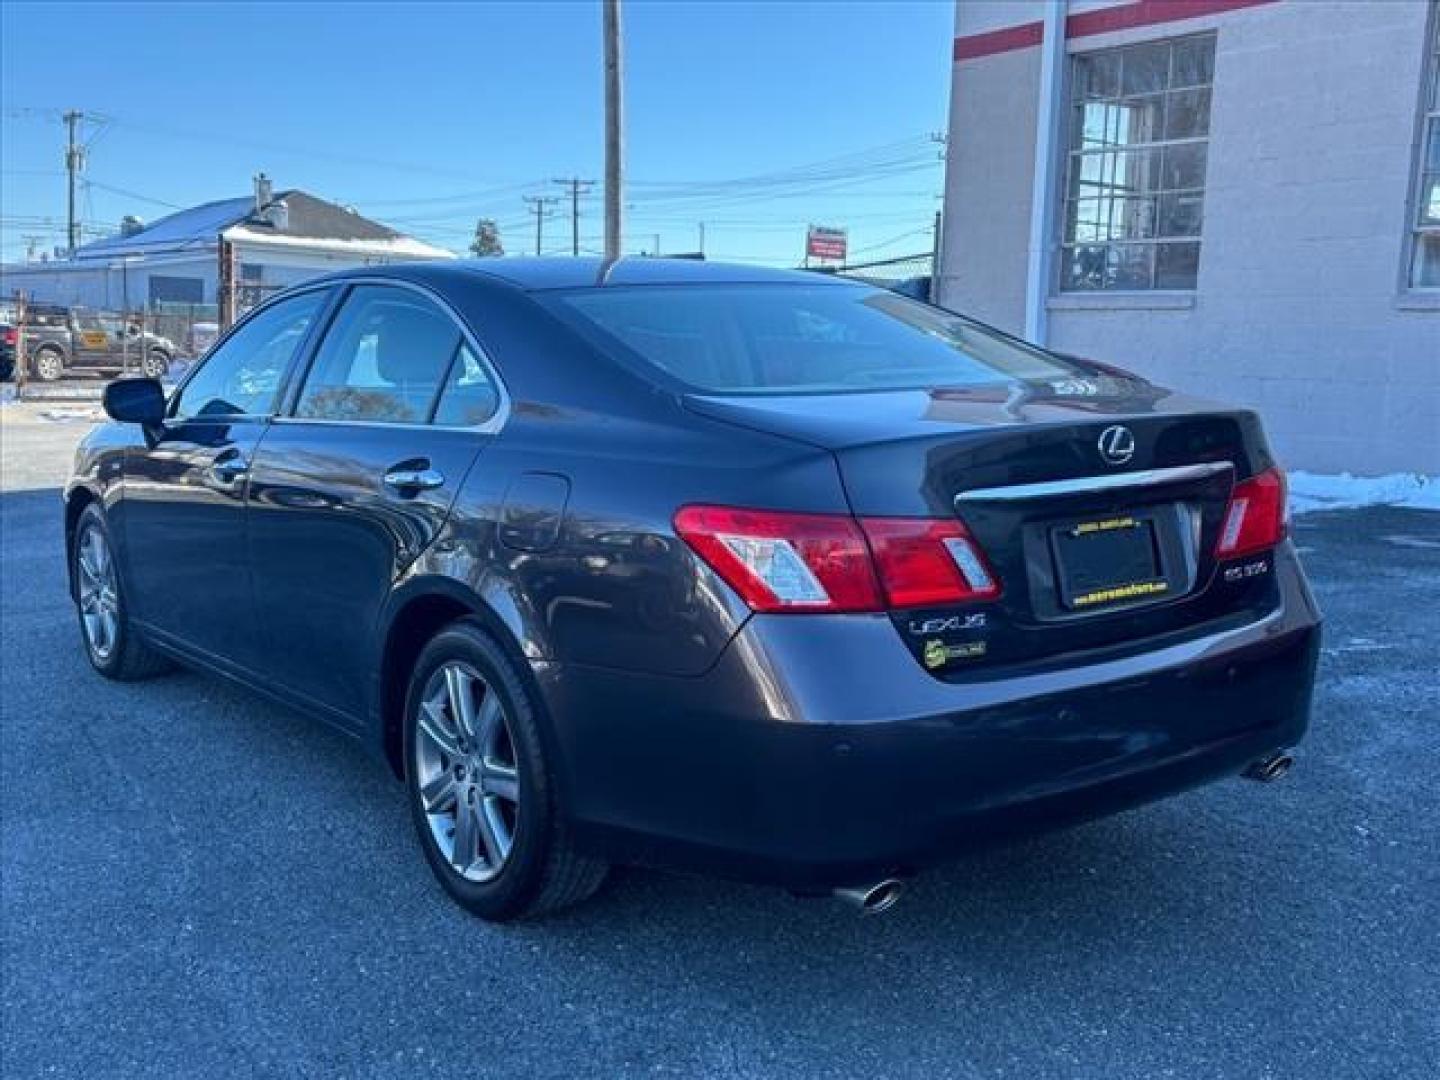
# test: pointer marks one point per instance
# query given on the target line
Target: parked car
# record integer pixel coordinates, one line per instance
(9, 336)
(750, 572)
(58, 339)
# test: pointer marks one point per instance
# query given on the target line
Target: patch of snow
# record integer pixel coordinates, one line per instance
(1318, 491)
(63, 415)
(403, 247)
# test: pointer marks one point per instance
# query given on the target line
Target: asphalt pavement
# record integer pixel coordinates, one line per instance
(196, 883)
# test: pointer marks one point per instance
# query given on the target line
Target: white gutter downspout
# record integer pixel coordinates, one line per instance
(1047, 153)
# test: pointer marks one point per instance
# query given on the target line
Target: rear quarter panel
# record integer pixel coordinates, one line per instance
(609, 584)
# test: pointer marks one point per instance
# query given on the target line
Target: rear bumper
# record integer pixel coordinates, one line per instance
(818, 752)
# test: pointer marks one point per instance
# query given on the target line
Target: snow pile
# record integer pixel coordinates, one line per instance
(399, 247)
(63, 415)
(1317, 491)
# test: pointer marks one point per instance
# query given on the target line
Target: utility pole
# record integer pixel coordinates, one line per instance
(935, 254)
(74, 163)
(229, 274)
(538, 203)
(577, 188)
(614, 127)
(702, 238)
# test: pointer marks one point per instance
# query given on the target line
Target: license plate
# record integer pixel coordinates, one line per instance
(1108, 561)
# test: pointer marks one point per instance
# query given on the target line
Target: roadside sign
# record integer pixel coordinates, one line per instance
(825, 243)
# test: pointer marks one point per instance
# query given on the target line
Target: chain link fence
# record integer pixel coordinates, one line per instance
(912, 275)
(64, 352)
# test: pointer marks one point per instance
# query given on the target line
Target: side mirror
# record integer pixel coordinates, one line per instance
(135, 401)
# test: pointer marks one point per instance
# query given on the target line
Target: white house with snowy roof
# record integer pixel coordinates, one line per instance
(274, 238)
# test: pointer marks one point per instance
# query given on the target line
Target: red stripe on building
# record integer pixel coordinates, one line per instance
(1148, 13)
(998, 41)
(1100, 21)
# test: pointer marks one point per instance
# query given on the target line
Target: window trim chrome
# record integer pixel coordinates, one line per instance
(290, 399)
(173, 401)
(1084, 485)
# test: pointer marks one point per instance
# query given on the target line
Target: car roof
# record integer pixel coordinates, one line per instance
(538, 274)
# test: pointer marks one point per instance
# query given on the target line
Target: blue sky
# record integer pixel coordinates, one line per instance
(754, 118)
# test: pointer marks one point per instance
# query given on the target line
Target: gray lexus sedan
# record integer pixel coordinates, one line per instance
(746, 572)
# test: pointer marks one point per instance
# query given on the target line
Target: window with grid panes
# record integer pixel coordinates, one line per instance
(1425, 256)
(1139, 132)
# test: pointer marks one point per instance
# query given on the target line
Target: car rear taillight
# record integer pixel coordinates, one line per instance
(1257, 518)
(781, 561)
(11, 335)
(928, 563)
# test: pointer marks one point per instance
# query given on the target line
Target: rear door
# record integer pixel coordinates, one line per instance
(183, 512)
(94, 338)
(357, 479)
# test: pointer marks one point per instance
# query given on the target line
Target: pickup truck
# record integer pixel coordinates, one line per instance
(58, 339)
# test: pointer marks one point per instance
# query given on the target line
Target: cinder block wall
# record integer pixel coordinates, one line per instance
(1300, 308)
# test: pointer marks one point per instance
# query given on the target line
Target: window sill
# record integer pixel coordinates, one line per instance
(1122, 301)
(1418, 300)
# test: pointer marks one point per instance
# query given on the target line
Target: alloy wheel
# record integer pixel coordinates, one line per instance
(49, 366)
(467, 779)
(99, 598)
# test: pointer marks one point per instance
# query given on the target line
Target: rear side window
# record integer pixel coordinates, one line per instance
(470, 396)
(801, 338)
(383, 359)
(242, 376)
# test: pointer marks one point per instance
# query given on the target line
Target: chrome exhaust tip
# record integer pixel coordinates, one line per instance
(872, 899)
(1269, 769)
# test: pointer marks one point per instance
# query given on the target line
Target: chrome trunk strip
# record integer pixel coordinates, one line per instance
(1145, 478)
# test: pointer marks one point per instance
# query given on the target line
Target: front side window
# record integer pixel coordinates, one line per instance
(242, 376)
(1425, 260)
(739, 339)
(1139, 134)
(383, 359)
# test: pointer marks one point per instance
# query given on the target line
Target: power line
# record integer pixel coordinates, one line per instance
(210, 139)
(131, 194)
(892, 240)
(461, 197)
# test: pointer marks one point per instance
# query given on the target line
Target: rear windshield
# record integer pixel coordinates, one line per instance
(744, 339)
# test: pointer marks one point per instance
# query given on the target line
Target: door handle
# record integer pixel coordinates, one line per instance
(228, 469)
(413, 480)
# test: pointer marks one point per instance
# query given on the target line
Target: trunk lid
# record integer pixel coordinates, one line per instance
(1023, 467)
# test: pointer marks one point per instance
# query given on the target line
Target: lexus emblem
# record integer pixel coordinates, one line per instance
(1117, 444)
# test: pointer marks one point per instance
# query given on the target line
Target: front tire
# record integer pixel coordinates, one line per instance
(113, 646)
(481, 789)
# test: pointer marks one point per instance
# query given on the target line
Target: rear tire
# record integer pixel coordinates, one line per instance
(155, 364)
(48, 365)
(115, 649)
(512, 857)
